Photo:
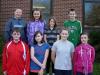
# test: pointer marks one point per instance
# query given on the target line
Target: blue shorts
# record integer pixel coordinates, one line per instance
(63, 72)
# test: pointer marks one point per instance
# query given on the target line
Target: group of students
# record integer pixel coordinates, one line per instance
(34, 48)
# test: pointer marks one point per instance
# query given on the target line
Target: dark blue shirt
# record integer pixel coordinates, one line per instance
(39, 52)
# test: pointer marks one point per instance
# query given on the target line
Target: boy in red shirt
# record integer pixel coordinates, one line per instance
(15, 56)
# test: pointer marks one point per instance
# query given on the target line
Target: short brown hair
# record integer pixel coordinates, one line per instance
(15, 29)
(71, 10)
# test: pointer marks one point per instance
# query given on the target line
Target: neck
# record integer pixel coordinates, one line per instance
(36, 19)
(39, 44)
(85, 43)
(17, 17)
(73, 19)
(64, 40)
(51, 28)
(16, 41)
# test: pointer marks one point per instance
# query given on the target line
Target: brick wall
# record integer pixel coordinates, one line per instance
(59, 10)
(61, 7)
(7, 8)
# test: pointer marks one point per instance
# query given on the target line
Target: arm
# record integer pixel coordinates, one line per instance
(72, 52)
(53, 56)
(28, 28)
(53, 53)
(45, 38)
(45, 58)
(34, 58)
(7, 31)
(4, 61)
(93, 55)
(65, 23)
(75, 56)
(27, 63)
(80, 28)
(25, 32)
(30, 33)
(58, 37)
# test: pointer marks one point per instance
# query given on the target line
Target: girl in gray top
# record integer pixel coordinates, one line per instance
(62, 53)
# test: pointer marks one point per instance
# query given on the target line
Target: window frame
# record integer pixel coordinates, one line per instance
(89, 1)
(51, 10)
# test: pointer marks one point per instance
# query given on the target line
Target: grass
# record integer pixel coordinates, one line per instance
(96, 69)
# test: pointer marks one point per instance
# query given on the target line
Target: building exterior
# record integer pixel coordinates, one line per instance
(57, 8)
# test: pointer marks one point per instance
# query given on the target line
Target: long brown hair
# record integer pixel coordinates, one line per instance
(33, 19)
(54, 22)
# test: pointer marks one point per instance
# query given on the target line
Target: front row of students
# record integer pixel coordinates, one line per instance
(16, 56)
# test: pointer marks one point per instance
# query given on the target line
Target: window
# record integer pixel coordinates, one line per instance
(92, 12)
(44, 5)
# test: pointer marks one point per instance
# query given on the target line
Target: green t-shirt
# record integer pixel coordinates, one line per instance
(75, 29)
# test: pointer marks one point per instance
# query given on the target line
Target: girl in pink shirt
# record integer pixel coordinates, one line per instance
(84, 57)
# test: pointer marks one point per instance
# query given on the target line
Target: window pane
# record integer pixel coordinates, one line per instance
(92, 14)
(44, 5)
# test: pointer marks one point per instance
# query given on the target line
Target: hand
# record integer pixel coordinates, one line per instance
(24, 73)
(5, 73)
(41, 72)
(43, 66)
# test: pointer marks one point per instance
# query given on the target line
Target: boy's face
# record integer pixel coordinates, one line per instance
(72, 14)
(16, 35)
(84, 39)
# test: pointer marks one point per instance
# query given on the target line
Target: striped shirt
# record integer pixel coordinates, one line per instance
(51, 35)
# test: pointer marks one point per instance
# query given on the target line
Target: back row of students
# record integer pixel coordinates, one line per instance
(46, 43)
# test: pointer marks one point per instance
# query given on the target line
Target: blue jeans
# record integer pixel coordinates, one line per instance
(80, 73)
(63, 72)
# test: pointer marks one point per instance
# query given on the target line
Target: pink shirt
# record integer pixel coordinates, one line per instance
(83, 58)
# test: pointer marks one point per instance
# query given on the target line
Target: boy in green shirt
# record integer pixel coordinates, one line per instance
(74, 27)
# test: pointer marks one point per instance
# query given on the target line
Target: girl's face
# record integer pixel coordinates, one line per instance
(84, 38)
(38, 38)
(52, 23)
(36, 15)
(72, 14)
(16, 36)
(64, 34)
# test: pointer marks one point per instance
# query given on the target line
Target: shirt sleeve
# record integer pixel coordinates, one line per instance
(65, 23)
(58, 31)
(54, 47)
(72, 48)
(4, 59)
(28, 34)
(80, 27)
(27, 64)
(45, 30)
(92, 55)
(7, 30)
(75, 56)
(47, 46)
